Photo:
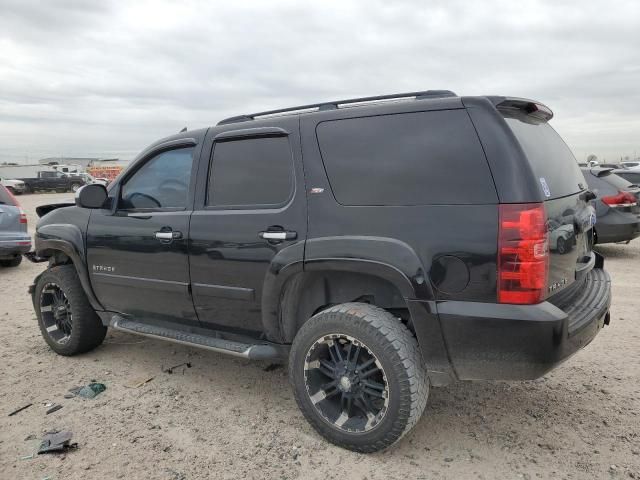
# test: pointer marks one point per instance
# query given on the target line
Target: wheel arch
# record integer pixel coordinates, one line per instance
(64, 244)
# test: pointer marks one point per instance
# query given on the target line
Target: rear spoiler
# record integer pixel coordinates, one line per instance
(531, 108)
(600, 172)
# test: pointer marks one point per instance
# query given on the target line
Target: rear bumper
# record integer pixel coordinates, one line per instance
(14, 246)
(522, 342)
(617, 226)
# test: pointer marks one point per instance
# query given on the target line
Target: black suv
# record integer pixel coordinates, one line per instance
(383, 245)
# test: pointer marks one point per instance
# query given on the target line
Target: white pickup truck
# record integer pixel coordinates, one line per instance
(16, 187)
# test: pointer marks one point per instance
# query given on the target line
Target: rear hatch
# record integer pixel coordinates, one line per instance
(569, 216)
(11, 217)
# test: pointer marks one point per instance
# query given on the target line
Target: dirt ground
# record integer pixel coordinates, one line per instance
(229, 418)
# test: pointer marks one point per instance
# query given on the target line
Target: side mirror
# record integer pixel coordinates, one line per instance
(91, 196)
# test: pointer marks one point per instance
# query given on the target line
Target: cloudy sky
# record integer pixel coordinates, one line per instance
(102, 78)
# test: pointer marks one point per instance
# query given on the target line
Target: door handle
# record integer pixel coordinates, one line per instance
(170, 235)
(284, 235)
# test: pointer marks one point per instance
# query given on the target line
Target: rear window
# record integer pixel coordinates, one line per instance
(417, 158)
(616, 180)
(5, 197)
(632, 177)
(554, 165)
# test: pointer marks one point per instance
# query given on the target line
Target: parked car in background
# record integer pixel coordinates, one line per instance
(14, 239)
(631, 165)
(16, 187)
(616, 205)
(629, 175)
(52, 180)
(609, 165)
(90, 179)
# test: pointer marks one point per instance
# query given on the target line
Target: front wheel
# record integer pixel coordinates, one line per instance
(358, 376)
(67, 321)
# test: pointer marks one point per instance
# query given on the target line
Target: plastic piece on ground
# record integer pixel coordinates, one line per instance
(56, 442)
(91, 390)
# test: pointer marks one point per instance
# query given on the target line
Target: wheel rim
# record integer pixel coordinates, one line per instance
(75, 187)
(561, 245)
(346, 383)
(55, 312)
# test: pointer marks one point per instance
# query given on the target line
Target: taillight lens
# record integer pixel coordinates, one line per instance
(622, 199)
(23, 216)
(523, 253)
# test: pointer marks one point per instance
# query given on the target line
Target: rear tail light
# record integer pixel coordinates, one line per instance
(622, 199)
(23, 216)
(523, 253)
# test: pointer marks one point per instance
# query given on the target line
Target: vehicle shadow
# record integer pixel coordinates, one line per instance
(466, 416)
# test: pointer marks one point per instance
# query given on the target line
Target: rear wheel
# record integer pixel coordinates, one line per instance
(358, 376)
(561, 246)
(67, 321)
(13, 262)
(75, 187)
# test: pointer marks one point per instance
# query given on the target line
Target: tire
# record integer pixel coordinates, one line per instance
(77, 330)
(75, 186)
(561, 246)
(28, 188)
(14, 262)
(12, 190)
(378, 335)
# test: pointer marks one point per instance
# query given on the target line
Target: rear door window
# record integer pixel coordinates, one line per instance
(416, 158)
(552, 162)
(253, 172)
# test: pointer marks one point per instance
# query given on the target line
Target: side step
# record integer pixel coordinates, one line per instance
(248, 349)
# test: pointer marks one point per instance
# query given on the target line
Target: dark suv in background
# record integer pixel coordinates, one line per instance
(383, 245)
(616, 205)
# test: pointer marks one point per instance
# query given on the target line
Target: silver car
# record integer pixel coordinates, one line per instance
(14, 239)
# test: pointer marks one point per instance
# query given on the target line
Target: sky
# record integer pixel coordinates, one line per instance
(107, 78)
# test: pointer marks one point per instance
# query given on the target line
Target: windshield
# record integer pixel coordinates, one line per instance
(551, 159)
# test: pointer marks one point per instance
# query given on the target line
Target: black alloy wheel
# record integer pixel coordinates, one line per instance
(346, 383)
(55, 310)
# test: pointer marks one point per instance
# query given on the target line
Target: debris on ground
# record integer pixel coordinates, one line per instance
(19, 410)
(56, 442)
(54, 408)
(88, 391)
(139, 383)
(171, 369)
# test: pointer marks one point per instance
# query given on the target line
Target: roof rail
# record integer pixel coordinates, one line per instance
(333, 105)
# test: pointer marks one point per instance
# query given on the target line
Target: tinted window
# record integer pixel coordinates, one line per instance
(253, 171)
(5, 197)
(406, 159)
(162, 182)
(633, 177)
(550, 158)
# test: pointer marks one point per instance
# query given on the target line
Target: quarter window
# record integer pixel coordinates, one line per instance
(162, 182)
(251, 172)
(419, 158)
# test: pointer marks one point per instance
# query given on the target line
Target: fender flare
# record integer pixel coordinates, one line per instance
(48, 239)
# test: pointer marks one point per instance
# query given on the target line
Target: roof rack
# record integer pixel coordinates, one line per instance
(333, 105)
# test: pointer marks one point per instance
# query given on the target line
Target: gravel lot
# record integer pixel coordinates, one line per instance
(229, 418)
